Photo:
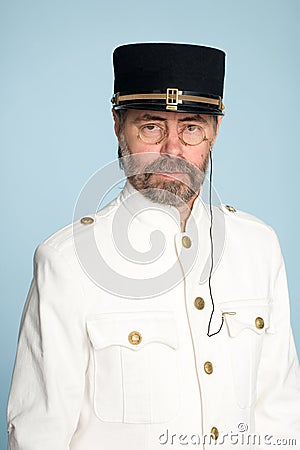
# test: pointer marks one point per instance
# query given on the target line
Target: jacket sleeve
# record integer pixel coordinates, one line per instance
(278, 390)
(49, 374)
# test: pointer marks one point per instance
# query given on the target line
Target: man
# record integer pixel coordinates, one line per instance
(160, 321)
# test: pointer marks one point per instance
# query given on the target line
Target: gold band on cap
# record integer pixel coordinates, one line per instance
(173, 97)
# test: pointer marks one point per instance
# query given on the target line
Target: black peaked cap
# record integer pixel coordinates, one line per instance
(193, 74)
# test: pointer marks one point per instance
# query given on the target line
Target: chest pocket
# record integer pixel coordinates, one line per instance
(135, 366)
(247, 324)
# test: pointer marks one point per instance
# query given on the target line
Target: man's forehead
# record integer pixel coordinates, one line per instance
(145, 115)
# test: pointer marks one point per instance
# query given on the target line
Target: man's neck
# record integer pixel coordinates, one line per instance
(185, 211)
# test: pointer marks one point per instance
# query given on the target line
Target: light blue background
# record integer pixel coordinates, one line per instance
(56, 129)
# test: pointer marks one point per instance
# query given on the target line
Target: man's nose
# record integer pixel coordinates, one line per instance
(172, 144)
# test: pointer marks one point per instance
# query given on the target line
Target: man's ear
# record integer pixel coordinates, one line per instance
(219, 121)
(116, 123)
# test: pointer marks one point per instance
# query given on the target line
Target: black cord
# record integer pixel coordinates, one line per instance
(211, 249)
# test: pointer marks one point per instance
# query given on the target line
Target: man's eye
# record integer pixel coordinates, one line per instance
(151, 127)
(192, 128)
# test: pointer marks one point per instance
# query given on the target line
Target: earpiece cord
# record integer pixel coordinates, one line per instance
(211, 249)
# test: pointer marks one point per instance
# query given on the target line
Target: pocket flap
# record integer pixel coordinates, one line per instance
(110, 329)
(247, 314)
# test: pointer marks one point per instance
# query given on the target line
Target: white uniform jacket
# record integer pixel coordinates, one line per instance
(114, 351)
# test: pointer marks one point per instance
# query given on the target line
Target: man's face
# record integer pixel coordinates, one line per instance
(165, 169)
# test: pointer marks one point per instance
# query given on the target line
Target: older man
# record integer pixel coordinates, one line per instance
(161, 320)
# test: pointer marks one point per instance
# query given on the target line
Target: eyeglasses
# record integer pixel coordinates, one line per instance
(152, 133)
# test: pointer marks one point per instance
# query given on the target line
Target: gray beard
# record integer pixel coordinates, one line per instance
(167, 192)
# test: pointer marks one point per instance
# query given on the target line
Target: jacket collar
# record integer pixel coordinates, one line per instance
(166, 217)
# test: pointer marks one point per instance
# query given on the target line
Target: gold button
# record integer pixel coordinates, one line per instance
(230, 208)
(135, 337)
(208, 367)
(186, 242)
(199, 303)
(214, 432)
(259, 323)
(87, 220)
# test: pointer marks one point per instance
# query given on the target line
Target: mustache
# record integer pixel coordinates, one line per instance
(171, 164)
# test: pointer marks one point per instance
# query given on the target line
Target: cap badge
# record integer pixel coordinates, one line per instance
(172, 99)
